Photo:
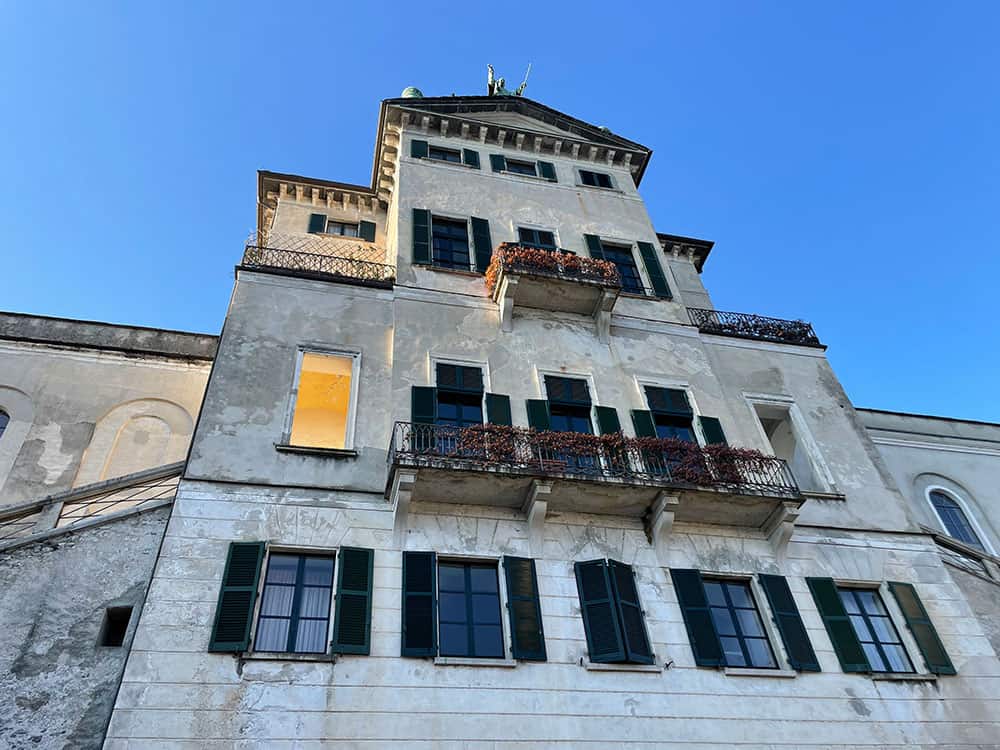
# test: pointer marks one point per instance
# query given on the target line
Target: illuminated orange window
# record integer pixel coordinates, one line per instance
(322, 405)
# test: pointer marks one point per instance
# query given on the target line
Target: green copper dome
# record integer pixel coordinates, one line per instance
(412, 92)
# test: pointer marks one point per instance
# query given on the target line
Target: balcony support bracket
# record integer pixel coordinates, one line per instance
(780, 526)
(602, 314)
(535, 507)
(507, 292)
(660, 522)
(399, 497)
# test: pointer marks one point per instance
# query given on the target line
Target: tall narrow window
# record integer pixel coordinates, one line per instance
(450, 239)
(954, 519)
(323, 401)
(4, 421)
(295, 609)
(621, 256)
(874, 628)
(569, 411)
(459, 395)
(776, 419)
(673, 416)
(469, 610)
(736, 620)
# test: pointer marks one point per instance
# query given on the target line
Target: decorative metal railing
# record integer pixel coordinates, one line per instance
(332, 267)
(616, 457)
(759, 327)
(511, 257)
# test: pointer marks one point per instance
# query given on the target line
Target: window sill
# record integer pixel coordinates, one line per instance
(597, 667)
(598, 187)
(758, 672)
(536, 177)
(823, 495)
(447, 163)
(445, 269)
(470, 661)
(903, 677)
(313, 451)
(278, 656)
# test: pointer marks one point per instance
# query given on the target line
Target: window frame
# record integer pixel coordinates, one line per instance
(526, 162)
(969, 517)
(470, 268)
(629, 248)
(481, 366)
(497, 563)
(343, 223)
(536, 229)
(892, 613)
(352, 406)
(580, 183)
(442, 149)
(543, 394)
(766, 617)
(676, 385)
(5, 421)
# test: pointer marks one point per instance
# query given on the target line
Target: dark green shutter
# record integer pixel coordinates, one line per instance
(923, 630)
(838, 625)
(498, 409)
(470, 158)
(711, 428)
(547, 170)
(482, 243)
(607, 420)
(786, 616)
(654, 270)
(366, 231)
(419, 636)
(643, 423)
(600, 616)
(421, 235)
(423, 404)
(418, 149)
(594, 246)
(538, 414)
(353, 622)
(497, 162)
(526, 633)
(697, 618)
(630, 615)
(317, 223)
(234, 611)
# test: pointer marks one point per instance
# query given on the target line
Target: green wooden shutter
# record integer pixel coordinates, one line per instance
(234, 611)
(526, 633)
(838, 625)
(654, 270)
(538, 414)
(423, 404)
(607, 420)
(547, 170)
(470, 158)
(418, 149)
(924, 632)
(786, 615)
(317, 223)
(642, 421)
(600, 616)
(421, 235)
(482, 243)
(497, 162)
(353, 622)
(711, 428)
(630, 615)
(594, 246)
(366, 231)
(697, 618)
(498, 409)
(419, 636)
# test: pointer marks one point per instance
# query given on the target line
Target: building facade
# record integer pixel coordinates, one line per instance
(480, 465)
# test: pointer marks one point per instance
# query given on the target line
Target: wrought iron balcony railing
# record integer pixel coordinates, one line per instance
(747, 326)
(511, 257)
(316, 265)
(655, 461)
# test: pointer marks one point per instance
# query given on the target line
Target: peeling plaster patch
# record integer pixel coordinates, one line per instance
(52, 460)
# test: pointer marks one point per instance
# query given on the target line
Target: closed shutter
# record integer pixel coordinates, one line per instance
(470, 158)
(526, 633)
(636, 640)
(923, 630)
(594, 246)
(600, 616)
(654, 270)
(418, 149)
(697, 618)
(353, 622)
(498, 409)
(421, 235)
(423, 404)
(419, 604)
(482, 243)
(547, 170)
(366, 231)
(786, 615)
(838, 625)
(317, 223)
(711, 428)
(497, 162)
(642, 422)
(538, 414)
(234, 611)
(607, 420)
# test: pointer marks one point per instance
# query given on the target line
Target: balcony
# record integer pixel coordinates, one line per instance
(756, 327)
(606, 474)
(322, 257)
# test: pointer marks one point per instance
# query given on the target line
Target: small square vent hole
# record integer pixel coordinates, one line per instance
(116, 621)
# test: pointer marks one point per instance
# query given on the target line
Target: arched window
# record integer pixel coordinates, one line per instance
(4, 419)
(954, 519)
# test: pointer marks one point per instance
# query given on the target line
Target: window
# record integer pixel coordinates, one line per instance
(521, 167)
(459, 395)
(295, 607)
(612, 613)
(569, 404)
(445, 154)
(875, 630)
(595, 179)
(954, 519)
(469, 610)
(341, 228)
(116, 620)
(536, 238)
(4, 421)
(621, 256)
(672, 413)
(738, 623)
(324, 398)
(450, 239)
(781, 432)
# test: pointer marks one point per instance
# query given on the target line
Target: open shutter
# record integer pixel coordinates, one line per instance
(643, 423)
(538, 414)
(594, 246)
(526, 633)
(497, 162)
(630, 614)
(654, 270)
(317, 223)
(419, 604)
(498, 409)
(423, 404)
(697, 618)
(607, 420)
(923, 630)
(482, 243)
(421, 235)
(470, 158)
(600, 616)
(786, 616)
(547, 170)
(353, 622)
(234, 611)
(711, 428)
(366, 231)
(418, 149)
(838, 625)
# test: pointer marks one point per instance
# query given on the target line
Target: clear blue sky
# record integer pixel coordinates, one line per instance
(843, 156)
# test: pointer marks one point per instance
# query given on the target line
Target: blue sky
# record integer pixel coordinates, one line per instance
(843, 156)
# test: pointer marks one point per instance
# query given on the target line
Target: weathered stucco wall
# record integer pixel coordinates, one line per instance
(57, 684)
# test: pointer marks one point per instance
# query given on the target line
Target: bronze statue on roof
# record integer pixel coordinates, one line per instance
(496, 86)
